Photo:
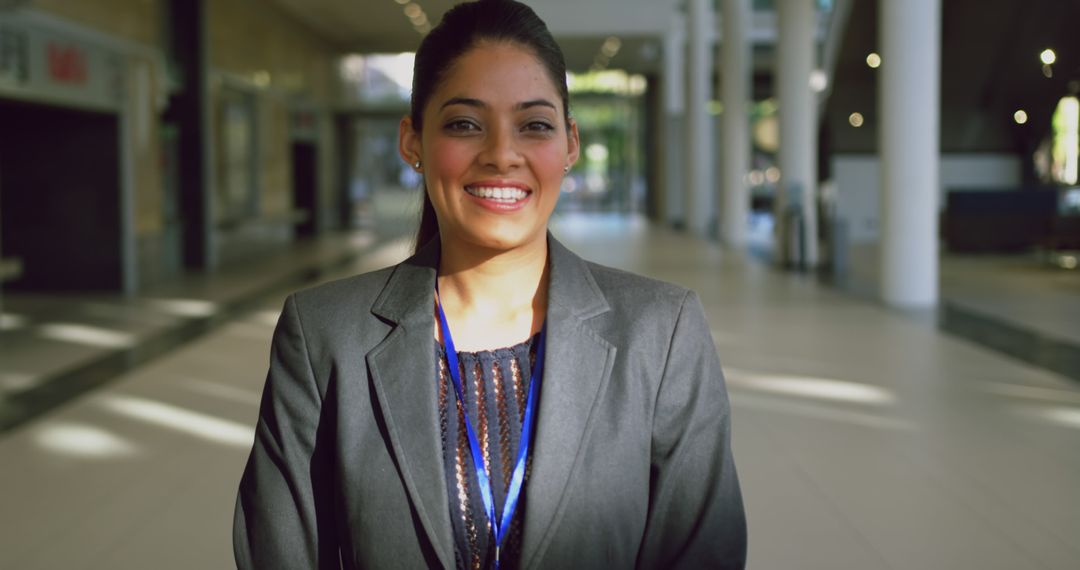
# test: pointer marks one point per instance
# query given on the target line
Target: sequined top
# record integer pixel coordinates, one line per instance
(497, 380)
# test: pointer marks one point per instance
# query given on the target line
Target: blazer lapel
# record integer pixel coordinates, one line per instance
(577, 365)
(403, 374)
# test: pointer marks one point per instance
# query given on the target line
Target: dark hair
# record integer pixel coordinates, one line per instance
(462, 28)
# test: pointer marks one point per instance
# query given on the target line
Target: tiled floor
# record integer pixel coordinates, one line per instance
(1022, 289)
(864, 438)
(46, 341)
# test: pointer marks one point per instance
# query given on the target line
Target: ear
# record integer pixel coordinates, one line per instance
(573, 139)
(409, 143)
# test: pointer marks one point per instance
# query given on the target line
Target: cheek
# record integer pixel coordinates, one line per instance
(550, 160)
(448, 158)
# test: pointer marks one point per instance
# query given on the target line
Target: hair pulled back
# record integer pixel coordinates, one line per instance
(462, 28)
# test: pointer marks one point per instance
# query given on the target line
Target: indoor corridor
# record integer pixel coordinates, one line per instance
(864, 437)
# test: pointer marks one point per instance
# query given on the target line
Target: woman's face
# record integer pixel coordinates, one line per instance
(493, 148)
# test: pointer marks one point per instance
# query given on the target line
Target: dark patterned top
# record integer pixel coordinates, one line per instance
(499, 380)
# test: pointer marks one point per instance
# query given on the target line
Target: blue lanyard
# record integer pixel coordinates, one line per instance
(500, 526)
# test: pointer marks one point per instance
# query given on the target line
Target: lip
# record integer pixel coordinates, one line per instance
(498, 183)
(497, 206)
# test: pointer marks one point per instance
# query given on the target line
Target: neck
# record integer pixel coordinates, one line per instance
(493, 298)
(479, 281)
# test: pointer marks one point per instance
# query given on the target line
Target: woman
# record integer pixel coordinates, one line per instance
(494, 401)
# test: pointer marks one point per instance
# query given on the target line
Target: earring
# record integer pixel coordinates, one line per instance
(416, 165)
(566, 168)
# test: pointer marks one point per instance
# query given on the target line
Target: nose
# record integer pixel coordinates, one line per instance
(501, 152)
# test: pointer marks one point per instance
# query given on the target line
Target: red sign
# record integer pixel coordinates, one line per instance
(67, 64)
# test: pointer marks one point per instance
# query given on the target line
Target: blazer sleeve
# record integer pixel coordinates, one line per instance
(696, 517)
(284, 510)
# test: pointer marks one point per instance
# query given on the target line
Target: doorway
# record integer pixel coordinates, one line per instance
(305, 187)
(60, 197)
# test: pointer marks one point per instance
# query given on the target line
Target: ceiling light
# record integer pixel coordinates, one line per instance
(1048, 56)
(856, 119)
(611, 46)
(873, 60)
(413, 10)
(261, 78)
(402, 2)
(1020, 117)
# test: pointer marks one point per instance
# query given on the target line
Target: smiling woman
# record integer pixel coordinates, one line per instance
(493, 148)
(494, 401)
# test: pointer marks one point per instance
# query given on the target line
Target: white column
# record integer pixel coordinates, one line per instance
(798, 124)
(735, 125)
(909, 146)
(699, 124)
(673, 101)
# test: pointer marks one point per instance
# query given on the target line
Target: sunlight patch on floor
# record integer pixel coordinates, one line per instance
(11, 322)
(817, 411)
(83, 441)
(184, 307)
(1064, 416)
(810, 387)
(222, 391)
(1033, 392)
(182, 420)
(87, 335)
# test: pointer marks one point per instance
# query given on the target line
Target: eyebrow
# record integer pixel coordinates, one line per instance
(470, 102)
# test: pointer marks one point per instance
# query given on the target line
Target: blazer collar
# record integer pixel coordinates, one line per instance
(407, 295)
(402, 369)
(577, 365)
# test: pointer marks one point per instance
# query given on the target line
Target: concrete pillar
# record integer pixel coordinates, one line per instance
(798, 127)
(909, 103)
(735, 82)
(672, 126)
(699, 124)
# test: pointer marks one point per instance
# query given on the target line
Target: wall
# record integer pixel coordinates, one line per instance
(285, 67)
(126, 35)
(252, 46)
(857, 179)
(138, 21)
(857, 184)
(254, 39)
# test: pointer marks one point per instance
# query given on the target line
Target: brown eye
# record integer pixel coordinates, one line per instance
(539, 127)
(462, 126)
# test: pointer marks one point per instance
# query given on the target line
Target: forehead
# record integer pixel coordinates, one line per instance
(498, 74)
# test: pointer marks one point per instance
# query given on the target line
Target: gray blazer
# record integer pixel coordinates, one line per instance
(631, 464)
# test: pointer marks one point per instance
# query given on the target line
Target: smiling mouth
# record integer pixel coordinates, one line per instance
(498, 194)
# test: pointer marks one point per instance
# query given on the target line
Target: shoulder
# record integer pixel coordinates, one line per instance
(642, 313)
(625, 289)
(346, 290)
(341, 300)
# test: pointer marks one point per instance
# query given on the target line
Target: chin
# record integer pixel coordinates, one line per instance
(505, 240)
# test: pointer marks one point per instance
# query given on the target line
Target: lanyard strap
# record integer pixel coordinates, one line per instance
(500, 526)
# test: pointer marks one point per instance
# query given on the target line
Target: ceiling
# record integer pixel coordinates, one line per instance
(990, 68)
(989, 61)
(580, 26)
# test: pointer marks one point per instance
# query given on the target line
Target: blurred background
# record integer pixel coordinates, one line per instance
(877, 201)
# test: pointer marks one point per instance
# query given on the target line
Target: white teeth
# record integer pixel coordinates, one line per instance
(496, 193)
